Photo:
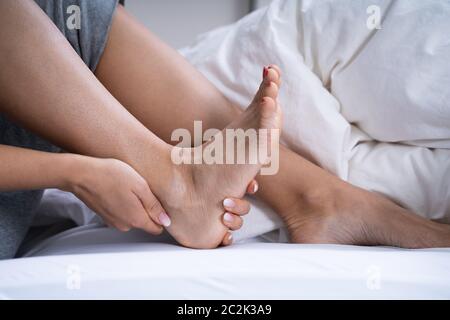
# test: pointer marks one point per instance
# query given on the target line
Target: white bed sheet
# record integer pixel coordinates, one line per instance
(99, 263)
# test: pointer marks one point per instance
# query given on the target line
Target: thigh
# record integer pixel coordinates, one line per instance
(156, 84)
(84, 23)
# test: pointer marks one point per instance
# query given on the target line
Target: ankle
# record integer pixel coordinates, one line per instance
(319, 200)
(152, 159)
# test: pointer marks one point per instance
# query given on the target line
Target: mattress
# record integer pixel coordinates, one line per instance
(95, 262)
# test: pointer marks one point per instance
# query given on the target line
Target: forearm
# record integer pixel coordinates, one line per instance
(26, 169)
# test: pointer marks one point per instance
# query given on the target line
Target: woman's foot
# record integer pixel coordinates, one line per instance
(193, 194)
(329, 210)
(350, 215)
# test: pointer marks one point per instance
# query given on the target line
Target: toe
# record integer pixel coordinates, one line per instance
(270, 90)
(267, 107)
(232, 221)
(277, 71)
(272, 76)
(270, 73)
(267, 89)
(269, 85)
(270, 113)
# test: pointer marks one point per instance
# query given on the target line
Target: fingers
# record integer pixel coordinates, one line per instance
(252, 187)
(228, 239)
(155, 213)
(232, 221)
(236, 206)
(142, 220)
(154, 208)
(150, 227)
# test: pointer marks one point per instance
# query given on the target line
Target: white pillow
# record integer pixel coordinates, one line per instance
(348, 89)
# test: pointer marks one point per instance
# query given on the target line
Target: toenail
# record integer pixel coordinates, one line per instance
(228, 203)
(228, 217)
(265, 72)
(164, 219)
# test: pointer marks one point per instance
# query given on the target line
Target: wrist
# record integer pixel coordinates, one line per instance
(76, 168)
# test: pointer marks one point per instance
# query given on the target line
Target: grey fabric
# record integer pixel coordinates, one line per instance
(17, 208)
(95, 17)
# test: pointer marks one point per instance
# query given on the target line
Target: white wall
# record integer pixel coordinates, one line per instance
(178, 22)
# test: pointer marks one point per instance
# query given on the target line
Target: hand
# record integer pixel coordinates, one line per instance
(117, 193)
(235, 208)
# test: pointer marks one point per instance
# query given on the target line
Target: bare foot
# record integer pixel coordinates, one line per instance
(195, 193)
(350, 215)
(329, 210)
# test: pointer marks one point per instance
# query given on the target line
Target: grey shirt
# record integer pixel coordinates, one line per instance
(85, 24)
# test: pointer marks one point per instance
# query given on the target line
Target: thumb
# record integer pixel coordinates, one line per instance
(153, 207)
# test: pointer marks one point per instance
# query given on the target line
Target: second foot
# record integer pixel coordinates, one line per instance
(359, 217)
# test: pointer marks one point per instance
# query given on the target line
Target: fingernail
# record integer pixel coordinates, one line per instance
(255, 187)
(265, 72)
(228, 203)
(164, 219)
(228, 217)
(230, 237)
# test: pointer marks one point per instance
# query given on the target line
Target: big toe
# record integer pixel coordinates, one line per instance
(268, 88)
(270, 113)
